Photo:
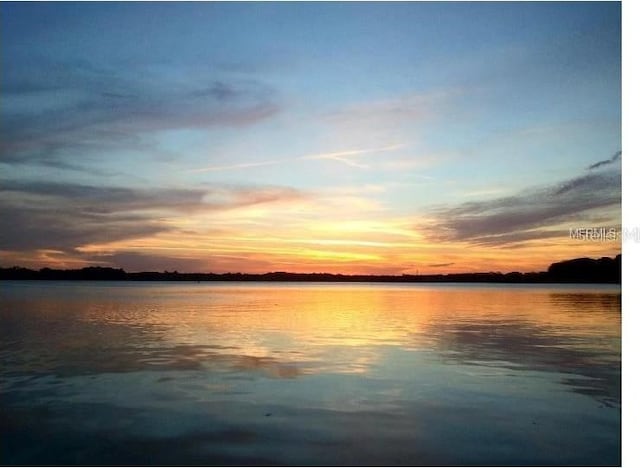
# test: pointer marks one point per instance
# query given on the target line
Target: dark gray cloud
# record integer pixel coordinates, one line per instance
(513, 238)
(530, 214)
(578, 183)
(62, 228)
(107, 199)
(438, 265)
(51, 215)
(59, 216)
(611, 160)
(53, 111)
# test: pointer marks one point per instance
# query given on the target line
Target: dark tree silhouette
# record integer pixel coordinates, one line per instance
(579, 270)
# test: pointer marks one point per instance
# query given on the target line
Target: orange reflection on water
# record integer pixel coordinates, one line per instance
(290, 330)
(376, 363)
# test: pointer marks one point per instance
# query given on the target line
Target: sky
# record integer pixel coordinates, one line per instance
(381, 138)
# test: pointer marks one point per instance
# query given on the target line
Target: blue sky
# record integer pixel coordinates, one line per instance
(244, 129)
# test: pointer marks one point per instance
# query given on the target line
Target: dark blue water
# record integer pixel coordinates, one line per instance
(300, 374)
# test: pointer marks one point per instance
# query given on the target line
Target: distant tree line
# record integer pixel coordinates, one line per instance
(579, 270)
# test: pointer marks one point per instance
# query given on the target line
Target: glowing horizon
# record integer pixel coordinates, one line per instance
(356, 138)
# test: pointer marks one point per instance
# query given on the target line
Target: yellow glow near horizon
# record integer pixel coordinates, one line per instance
(357, 319)
(319, 234)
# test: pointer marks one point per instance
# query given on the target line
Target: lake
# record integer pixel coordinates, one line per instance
(309, 374)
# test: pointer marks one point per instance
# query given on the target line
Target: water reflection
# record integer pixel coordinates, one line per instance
(235, 373)
(292, 331)
(523, 346)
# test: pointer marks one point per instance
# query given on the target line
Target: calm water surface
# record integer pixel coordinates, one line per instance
(327, 374)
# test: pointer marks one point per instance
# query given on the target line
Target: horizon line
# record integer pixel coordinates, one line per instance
(290, 273)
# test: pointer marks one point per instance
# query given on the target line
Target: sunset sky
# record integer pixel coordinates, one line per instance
(325, 137)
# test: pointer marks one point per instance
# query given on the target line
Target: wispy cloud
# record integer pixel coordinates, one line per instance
(404, 118)
(611, 160)
(237, 197)
(231, 167)
(47, 215)
(408, 108)
(345, 157)
(533, 213)
(55, 112)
